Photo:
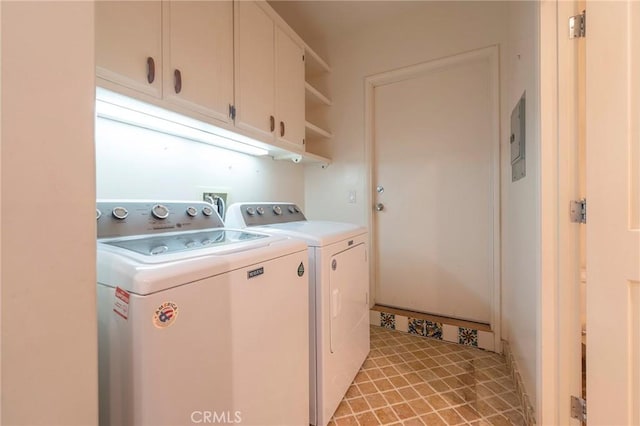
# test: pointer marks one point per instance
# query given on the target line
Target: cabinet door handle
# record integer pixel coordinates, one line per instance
(177, 80)
(273, 122)
(151, 70)
(282, 129)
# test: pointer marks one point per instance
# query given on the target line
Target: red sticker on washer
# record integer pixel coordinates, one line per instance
(121, 303)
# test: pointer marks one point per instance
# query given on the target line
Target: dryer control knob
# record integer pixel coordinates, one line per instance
(251, 211)
(120, 213)
(260, 210)
(291, 209)
(207, 211)
(192, 211)
(277, 210)
(98, 214)
(159, 211)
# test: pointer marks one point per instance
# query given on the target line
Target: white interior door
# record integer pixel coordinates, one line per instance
(613, 217)
(435, 179)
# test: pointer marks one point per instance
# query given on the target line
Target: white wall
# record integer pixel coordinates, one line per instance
(439, 30)
(435, 30)
(521, 200)
(49, 331)
(132, 162)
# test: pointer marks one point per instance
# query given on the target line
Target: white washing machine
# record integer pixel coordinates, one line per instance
(338, 296)
(197, 323)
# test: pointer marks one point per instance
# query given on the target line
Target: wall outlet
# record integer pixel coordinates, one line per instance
(223, 195)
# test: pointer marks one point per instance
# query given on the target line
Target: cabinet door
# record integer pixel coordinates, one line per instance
(255, 71)
(198, 54)
(289, 89)
(127, 34)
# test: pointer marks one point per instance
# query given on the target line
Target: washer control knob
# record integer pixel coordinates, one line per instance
(207, 210)
(251, 211)
(277, 210)
(98, 214)
(260, 210)
(159, 211)
(158, 250)
(291, 209)
(120, 213)
(190, 244)
(192, 211)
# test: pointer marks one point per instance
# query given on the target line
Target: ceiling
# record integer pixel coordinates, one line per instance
(318, 20)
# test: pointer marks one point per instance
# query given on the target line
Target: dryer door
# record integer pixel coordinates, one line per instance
(349, 285)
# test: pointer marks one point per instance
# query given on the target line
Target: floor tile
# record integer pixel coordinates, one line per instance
(342, 410)
(409, 379)
(433, 419)
(367, 418)
(386, 415)
(347, 421)
(358, 405)
(376, 401)
(451, 416)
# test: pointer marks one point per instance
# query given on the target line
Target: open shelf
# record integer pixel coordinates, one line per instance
(317, 106)
(317, 131)
(305, 158)
(313, 95)
(314, 64)
(311, 158)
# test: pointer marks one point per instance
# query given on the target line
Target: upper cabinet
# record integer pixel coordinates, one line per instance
(255, 70)
(269, 77)
(129, 44)
(198, 56)
(181, 51)
(290, 94)
(234, 64)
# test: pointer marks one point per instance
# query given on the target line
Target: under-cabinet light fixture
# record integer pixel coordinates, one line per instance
(113, 106)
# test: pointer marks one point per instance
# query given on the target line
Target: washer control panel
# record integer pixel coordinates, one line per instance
(120, 218)
(241, 215)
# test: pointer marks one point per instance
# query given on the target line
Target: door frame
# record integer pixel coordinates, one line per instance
(400, 74)
(559, 338)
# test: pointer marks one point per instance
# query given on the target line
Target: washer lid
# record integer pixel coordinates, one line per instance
(170, 243)
(315, 233)
(147, 274)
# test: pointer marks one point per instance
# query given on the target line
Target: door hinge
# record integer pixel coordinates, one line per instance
(232, 111)
(578, 25)
(579, 408)
(303, 58)
(578, 211)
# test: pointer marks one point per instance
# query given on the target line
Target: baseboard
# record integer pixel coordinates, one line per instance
(512, 365)
(455, 331)
(433, 318)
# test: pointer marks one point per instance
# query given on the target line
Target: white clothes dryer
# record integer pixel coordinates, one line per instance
(197, 323)
(338, 295)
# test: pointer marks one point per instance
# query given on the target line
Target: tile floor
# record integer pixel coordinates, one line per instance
(412, 380)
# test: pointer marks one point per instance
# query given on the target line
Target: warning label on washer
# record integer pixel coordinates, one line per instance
(121, 303)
